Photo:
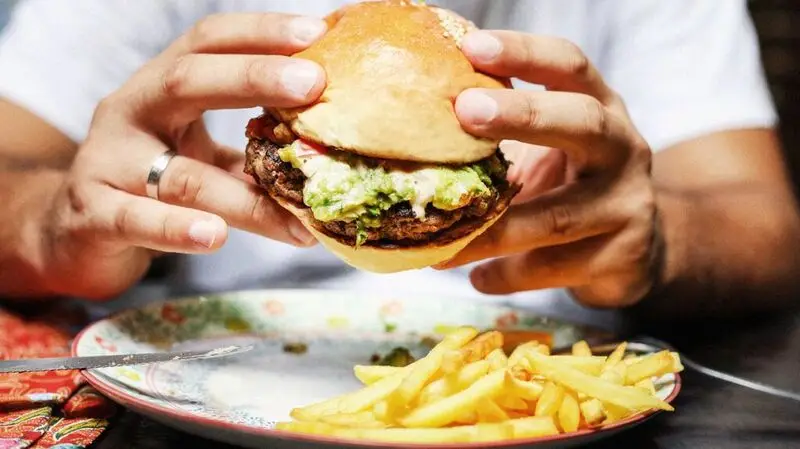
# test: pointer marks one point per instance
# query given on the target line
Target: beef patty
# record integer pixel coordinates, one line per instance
(399, 225)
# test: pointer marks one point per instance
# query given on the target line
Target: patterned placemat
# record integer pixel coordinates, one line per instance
(53, 410)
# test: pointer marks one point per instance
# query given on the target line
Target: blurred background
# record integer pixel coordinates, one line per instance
(5, 7)
(778, 24)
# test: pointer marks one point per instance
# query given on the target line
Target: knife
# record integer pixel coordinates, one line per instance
(109, 361)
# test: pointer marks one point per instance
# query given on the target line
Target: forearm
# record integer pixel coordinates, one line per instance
(25, 196)
(727, 251)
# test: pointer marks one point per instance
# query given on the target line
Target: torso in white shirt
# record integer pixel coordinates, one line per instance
(684, 67)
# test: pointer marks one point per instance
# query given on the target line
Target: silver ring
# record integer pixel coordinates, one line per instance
(156, 170)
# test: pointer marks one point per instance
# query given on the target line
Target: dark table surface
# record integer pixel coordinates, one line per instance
(709, 413)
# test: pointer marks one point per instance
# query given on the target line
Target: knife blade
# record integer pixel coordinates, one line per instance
(109, 361)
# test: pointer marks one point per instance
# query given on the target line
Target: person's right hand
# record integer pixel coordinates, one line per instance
(102, 229)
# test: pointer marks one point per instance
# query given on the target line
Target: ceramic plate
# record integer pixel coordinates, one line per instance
(238, 399)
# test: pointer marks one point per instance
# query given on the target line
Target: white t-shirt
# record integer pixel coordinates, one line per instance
(684, 67)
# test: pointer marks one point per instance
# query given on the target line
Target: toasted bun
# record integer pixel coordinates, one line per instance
(390, 260)
(393, 71)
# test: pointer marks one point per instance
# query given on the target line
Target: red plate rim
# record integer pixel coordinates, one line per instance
(121, 395)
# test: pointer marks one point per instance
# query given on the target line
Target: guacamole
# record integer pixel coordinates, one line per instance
(343, 187)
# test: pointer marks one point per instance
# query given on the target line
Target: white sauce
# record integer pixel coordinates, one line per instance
(324, 172)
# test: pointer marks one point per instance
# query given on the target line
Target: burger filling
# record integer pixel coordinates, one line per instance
(362, 199)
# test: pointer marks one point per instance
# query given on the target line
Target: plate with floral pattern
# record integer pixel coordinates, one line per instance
(305, 344)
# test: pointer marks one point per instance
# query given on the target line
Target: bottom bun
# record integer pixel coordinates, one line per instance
(390, 260)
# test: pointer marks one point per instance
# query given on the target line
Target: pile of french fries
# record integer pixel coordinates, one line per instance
(467, 389)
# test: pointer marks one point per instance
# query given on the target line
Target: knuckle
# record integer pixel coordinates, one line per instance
(255, 72)
(124, 220)
(181, 185)
(176, 76)
(530, 113)
(166, 231)
(75, 219)
(106, 106)
(109, 109)
(577, 63)
(261, 209)
(559, 221)
(641, 154)
(203, 33)
(596, 117)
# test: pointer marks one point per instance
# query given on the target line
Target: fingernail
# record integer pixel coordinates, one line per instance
(307, 29)
(476, 107)
(300, 233)
(204, 233)
(482, 46)
(300, 77)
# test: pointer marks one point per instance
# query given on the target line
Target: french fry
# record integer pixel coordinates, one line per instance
(520, 373)
(358, 420)
(466, 390)
(436, 391)
(492, 432)
(481, 346)
(615, 374)
(497, 359)
(581, 348)
(550, 400)
(526, 390)
(513, 338)
(426, 368)
(677, 366)
(592, 411)
(534, 427)
(509, 402)
(489, 412)
(462, 434)
(652, 365)
(381, 411)
(614, 413)
(448, 409)
(369, 374)
(452, 362)
(453, 383)
(569, 414)
(647, 385)
(467, 418)
(591, 365)
(616, 355)
(471, 373)
(518, 355)
(628, 397)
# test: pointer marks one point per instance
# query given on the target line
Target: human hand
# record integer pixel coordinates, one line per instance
(588, 225)
(103, 228)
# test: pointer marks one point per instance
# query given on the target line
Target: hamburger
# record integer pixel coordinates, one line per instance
(379, 169)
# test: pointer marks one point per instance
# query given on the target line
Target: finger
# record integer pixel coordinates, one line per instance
(537, 169)
(251, 33)
(592, 136)
(197, 144)
(564, 215)
(555, 63)
(147, 223)
(563, 266)
(194, 84)
(193, 184)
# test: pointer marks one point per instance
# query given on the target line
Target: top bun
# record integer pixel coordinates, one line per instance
(394, 70)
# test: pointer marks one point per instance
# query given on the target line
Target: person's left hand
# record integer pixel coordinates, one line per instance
(586, 221)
